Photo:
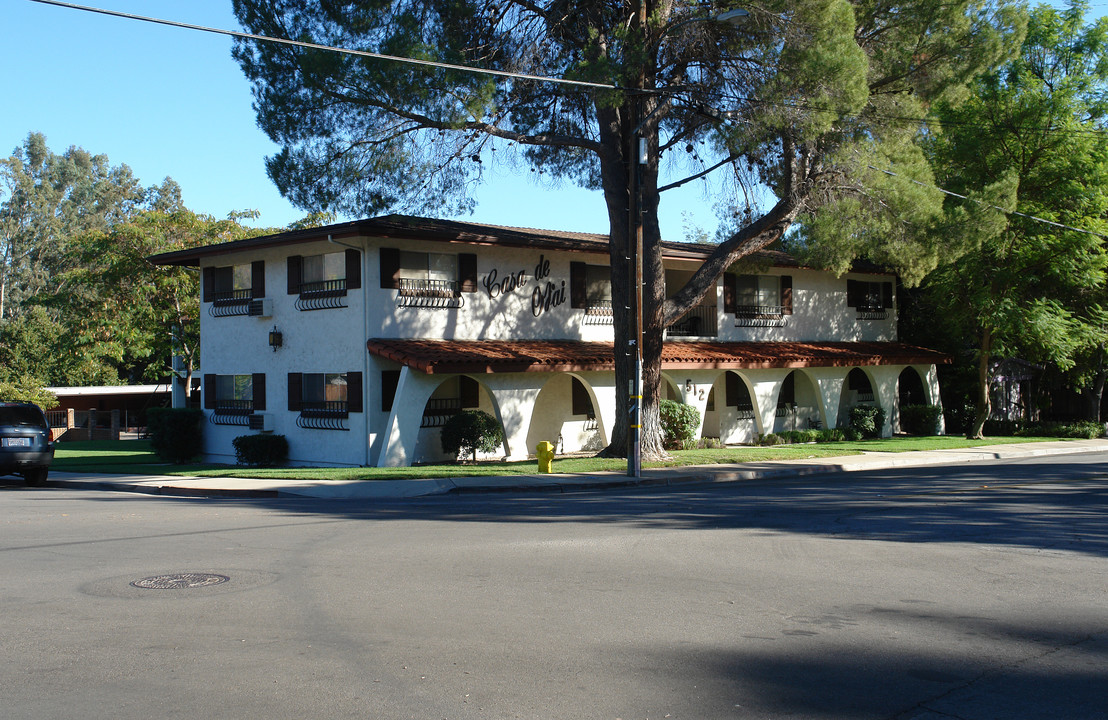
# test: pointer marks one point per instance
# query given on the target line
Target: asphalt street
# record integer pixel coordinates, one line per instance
(968, 591)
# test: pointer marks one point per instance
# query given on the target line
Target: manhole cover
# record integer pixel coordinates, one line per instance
(180, 581)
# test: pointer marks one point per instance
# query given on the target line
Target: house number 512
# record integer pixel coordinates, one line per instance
(693, 390)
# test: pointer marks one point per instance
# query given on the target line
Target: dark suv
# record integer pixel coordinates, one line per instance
(25, 446)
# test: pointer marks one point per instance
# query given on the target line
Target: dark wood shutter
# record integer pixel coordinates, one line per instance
(354, 402)
(787, 294)
(467, 272)
(353, 269)
(469, 391)
(209, 392)
(390, 379)
(296, 391)
(729, 303)
(257, 279)
(208, 284)
(855, 293)
(295, 264)
(257, 386)
(886, 295)
(390, 268)
(578, 284)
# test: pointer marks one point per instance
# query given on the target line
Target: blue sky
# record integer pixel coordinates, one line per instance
(172, 102)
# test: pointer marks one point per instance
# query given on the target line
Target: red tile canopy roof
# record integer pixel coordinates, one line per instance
(500, 356)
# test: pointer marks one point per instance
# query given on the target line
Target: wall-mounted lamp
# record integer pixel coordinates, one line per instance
(275, 338)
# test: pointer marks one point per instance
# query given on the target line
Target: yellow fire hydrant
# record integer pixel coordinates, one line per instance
(546, 456)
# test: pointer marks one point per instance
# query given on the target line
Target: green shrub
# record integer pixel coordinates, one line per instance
(679, 424)
(471, 431)
(868, 420)
(831, 435)
(959, 418)
(1084, 429)
(176, 434)
(1004, 428)
(920, 419)
(771, 439)
(709, 443)
(262, 450)
(852, 434)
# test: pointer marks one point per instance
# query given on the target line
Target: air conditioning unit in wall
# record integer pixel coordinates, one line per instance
(260, 308)
(262, 421)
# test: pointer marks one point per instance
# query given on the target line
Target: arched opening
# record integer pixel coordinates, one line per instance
(797, 404)
(857, 390)
(565, 414)
(451, 397)
(909, 387)
(734, 420)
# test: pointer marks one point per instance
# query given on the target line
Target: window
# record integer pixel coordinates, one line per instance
(321, 281)
(873, 300)
(758, 300)
(453, 396)
(233, 398)
(325, 400)
(231, 288)
(428, 279)
(737, 395)
(590, 287)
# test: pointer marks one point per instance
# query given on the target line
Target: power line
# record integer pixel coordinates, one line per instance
(991, 206)
(330, 48)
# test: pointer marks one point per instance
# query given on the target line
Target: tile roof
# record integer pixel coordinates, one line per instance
(404, 227)
(499, 356)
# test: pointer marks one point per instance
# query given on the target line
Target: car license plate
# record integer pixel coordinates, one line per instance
(17, 442)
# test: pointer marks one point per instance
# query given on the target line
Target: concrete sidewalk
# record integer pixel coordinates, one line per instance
(382, 489)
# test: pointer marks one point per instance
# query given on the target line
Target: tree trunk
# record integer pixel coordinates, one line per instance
(1094, 394)
(984, 407)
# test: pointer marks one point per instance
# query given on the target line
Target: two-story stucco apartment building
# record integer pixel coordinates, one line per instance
(357, 341)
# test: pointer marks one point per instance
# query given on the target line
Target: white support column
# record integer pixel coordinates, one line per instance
(514, 396)
(930, 375)
(883, 378)
(767, 388)
(402, 430)
(829, 385)
(695, 386)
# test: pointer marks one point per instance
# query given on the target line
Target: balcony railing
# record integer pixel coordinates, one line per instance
(760, 316)
(232, 412)
(322, 295)
(598, 311)
(700, 321)
(230, 302)
(428, 293)
(439, 410)
(323, 415)
(872, 312)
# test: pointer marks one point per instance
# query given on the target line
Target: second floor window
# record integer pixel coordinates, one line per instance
(758, 300)
(322, 281)
(426, 279)
(230, 288)
(872, 300)
(590, 287)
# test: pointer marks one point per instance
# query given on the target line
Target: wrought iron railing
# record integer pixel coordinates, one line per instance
(232, 412)
(872, 312)
(744, 411)
(230, 302)
(428, 293)
(322, 295)
(324, 415)
(700, 321)
(599, 311)
(760, 316)
(439, 410)
(785, 409)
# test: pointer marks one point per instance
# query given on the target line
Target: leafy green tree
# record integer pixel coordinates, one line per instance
(803, 99)
(123, 311)
(1030, 138)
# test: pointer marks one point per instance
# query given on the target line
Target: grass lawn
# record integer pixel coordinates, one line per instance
(136, 458)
